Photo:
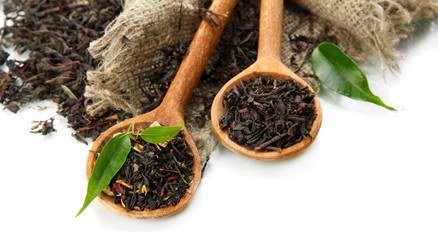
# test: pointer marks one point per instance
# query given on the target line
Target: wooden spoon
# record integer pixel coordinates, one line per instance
(268, 62)
(173, 106)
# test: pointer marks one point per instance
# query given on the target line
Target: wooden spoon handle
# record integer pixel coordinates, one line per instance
(192, 66)
(271, 19)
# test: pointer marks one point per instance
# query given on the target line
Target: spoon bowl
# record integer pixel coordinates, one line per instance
(166, 116)
(268, 62)
(172, 108)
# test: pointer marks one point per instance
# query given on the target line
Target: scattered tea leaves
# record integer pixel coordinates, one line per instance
(56, 35)
(340, 73)
(43, 127)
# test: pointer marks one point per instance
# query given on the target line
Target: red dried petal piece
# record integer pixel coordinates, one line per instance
(172, 177)
(118, 188)
(300, 109)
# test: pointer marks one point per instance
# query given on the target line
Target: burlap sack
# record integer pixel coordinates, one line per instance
(376, 25)
(132, 46)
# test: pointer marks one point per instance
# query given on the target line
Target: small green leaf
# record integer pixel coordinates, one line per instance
(159, 134)
(340, 73)
(110, 160)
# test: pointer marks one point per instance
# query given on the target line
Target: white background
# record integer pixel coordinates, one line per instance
(370, 174)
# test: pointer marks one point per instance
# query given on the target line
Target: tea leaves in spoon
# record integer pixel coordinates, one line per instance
(340, 73)
(114, 154)
(109, 162)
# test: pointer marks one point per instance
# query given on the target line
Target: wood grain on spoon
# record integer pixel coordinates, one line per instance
(173, 106)
(268, 62)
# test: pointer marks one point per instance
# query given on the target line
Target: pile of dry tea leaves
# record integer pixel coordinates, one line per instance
(269, 114)
(56, 35)
(154, 175)
(63, 61)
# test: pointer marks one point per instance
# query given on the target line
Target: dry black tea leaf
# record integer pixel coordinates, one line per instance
(13, 107)
(3, 56)
(43, 127)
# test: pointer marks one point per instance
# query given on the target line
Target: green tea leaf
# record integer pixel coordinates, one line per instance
(340, 73)
(159, 134)
(110, 160)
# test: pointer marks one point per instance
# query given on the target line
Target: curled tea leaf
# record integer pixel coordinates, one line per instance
(340, 73)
